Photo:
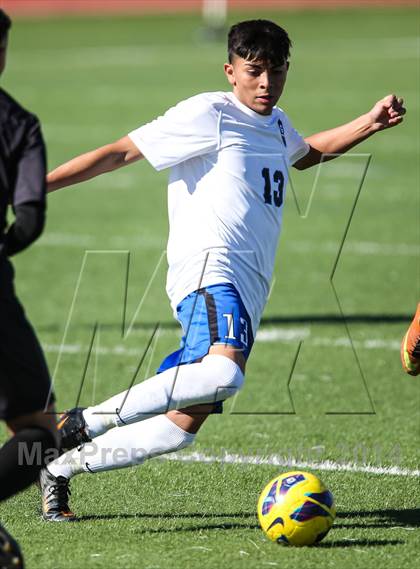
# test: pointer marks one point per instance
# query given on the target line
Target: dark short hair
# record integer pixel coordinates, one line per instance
(259, 40)
(5, 24)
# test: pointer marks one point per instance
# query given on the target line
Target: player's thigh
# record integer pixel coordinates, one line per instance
(191, 418)
(42, 418)
(25, 386)
(214, 320)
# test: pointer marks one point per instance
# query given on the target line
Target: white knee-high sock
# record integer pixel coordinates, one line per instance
(215, 378)
(119, 448)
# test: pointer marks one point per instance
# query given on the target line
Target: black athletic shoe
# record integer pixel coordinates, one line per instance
(10, 554)
(55, 493)
(72, 427)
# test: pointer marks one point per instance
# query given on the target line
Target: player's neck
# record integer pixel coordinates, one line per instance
(249, 110)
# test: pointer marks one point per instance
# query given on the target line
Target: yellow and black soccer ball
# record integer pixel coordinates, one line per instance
(296, 508)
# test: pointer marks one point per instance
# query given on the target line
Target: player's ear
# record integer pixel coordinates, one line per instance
(229, 72)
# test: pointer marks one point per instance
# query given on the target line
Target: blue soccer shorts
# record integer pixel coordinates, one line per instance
(209, 316)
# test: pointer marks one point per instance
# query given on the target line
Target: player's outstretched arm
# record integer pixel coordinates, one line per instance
(326, 145)
(87, 166)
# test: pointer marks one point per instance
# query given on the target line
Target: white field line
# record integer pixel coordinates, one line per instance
(358, 248)
(98, 350)
(269, 335)
(150, 241)
(283, 334)
(405, 45)
(80, 241)
(119, 56)
(275, 460)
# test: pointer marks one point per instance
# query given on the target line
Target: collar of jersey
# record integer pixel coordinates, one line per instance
(263, 119)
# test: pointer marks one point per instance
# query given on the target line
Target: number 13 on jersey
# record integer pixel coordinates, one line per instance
(275, 194)
(231, 326)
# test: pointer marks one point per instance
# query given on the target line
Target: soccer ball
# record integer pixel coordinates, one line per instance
(296, 508)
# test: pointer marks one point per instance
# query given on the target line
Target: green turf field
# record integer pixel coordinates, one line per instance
(92, 81)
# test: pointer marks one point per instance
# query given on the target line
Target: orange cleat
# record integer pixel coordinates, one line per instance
(410, 346)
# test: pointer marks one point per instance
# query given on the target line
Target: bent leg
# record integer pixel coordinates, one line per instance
(25, 388)
(215, 378)
(133, 444)
(191, 418)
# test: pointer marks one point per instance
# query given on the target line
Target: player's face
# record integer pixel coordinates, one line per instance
(3, 51)
(256, 84)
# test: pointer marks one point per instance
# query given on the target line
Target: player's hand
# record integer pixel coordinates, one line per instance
(387, 112)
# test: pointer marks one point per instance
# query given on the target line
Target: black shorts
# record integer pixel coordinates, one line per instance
(25, 385)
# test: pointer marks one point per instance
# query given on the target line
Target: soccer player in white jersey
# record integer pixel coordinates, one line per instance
(229, 155)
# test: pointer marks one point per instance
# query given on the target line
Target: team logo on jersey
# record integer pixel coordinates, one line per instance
(281, 127)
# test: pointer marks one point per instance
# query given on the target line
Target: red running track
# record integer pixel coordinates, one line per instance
(52, 7)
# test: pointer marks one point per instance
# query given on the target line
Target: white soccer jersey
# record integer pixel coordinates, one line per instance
(229, 171)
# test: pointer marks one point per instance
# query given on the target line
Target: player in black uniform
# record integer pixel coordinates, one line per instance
(26, 400)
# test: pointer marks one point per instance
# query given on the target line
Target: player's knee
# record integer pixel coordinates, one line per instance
(186, 442)
(226, 376)
(38, 419)
(37, 446)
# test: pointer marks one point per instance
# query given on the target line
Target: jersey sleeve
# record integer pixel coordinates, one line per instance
(297, 148)
(189, 129)
(30, 183)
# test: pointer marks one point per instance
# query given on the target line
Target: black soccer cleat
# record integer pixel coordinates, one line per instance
(72, 427)
(55, 493)
(10, 554)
